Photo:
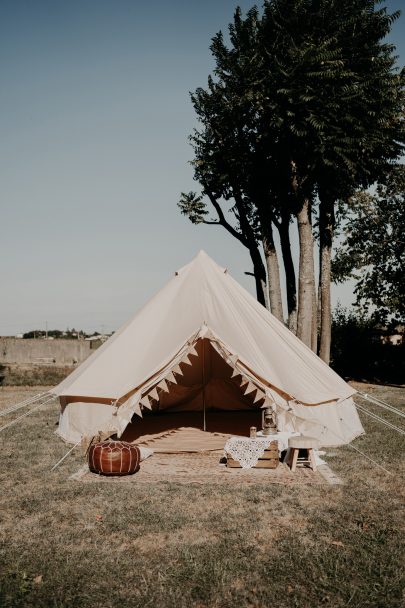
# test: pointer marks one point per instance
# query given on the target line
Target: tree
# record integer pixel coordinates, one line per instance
(305, 106)
(233, 158)
(340, 102)
(226, 155)
(373, 249)
(361, 349)
(194, 207)
(368, 134)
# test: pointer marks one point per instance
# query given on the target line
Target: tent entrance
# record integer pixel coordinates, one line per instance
(205, 386)
(205, 397)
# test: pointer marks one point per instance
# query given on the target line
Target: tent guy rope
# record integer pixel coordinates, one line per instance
(6, 426)
(379, 419)
(25, 403)
(382, 404)
(65, 456)
(356, 449)
(377, 464)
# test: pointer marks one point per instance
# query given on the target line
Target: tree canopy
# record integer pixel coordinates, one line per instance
(373, 249)
(305, 106)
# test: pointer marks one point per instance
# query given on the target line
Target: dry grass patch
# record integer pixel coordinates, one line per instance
(64, 543)
(33, 375)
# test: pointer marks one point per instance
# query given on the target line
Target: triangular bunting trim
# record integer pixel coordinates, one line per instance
(171, 378)
(163, 385)
(192, 351)
(154, 394)
(268, 402)
(145, 402)
(177, 370)
(244, 380)
(250, 388)
(186, 360)
(259, 395)
(137, 410)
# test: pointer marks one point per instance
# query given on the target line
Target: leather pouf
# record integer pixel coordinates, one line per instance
(114, 458)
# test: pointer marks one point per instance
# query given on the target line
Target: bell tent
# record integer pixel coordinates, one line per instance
(204, 353)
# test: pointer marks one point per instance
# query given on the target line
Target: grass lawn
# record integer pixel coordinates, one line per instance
(65, 543)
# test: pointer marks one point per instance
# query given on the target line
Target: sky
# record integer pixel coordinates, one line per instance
(94, 125)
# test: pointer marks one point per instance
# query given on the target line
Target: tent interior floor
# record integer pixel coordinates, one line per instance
(183, 431)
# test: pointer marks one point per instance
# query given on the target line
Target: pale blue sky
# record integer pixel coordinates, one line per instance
(95, 116)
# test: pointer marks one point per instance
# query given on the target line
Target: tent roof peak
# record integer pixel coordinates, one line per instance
(201, 261)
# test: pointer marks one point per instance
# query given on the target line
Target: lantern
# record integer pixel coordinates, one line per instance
(269, 426)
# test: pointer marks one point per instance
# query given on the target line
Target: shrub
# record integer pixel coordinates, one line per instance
(360, 349)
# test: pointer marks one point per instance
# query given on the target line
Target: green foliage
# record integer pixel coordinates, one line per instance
(193, 207)
(373, 249)
(307, 96)
(69, 334)
(361, 350)
(305, 100)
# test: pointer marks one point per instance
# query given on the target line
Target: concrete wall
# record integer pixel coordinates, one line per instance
(45, 352)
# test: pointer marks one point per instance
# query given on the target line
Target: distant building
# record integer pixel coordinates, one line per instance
(101, 337)
(96, 340)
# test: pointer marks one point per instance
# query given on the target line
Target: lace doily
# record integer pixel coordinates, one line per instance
(246, 450)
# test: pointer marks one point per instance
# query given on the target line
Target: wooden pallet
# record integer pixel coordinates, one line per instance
(269, 460)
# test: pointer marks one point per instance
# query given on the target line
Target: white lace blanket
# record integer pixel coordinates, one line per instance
(246, 450)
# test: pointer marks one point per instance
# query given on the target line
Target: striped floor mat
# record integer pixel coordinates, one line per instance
(183, 439)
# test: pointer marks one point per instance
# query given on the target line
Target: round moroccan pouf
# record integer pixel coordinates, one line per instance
(114, 458)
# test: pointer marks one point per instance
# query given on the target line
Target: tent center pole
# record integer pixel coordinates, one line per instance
(203, 386)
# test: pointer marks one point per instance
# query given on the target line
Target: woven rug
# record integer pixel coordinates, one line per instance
(200, 468)
(183, 439)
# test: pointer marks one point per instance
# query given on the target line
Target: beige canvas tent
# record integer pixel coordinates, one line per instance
(204, 353)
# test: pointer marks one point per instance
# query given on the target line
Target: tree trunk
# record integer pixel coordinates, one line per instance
(247, 238)
(250, 242)
(326, 222)
(306, 280)
(314, 338)
(318, 312)
(266, 294)
(290, 279)
(273, 274)
(259, 272)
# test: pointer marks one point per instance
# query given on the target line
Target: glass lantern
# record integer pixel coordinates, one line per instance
(269, 426)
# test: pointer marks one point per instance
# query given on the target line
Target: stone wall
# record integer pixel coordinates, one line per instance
(17, 351)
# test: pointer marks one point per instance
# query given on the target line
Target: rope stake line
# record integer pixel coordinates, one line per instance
(381, 401)
(21, 404)
(382, 420)
(379, 419)
(6, 426)
(377, 464)
(382, 404)
(65, 456)
(350, 445)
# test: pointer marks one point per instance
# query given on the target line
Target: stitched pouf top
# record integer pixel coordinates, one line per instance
(113, 458)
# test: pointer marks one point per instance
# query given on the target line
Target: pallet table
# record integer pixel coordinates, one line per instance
(269, 459)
